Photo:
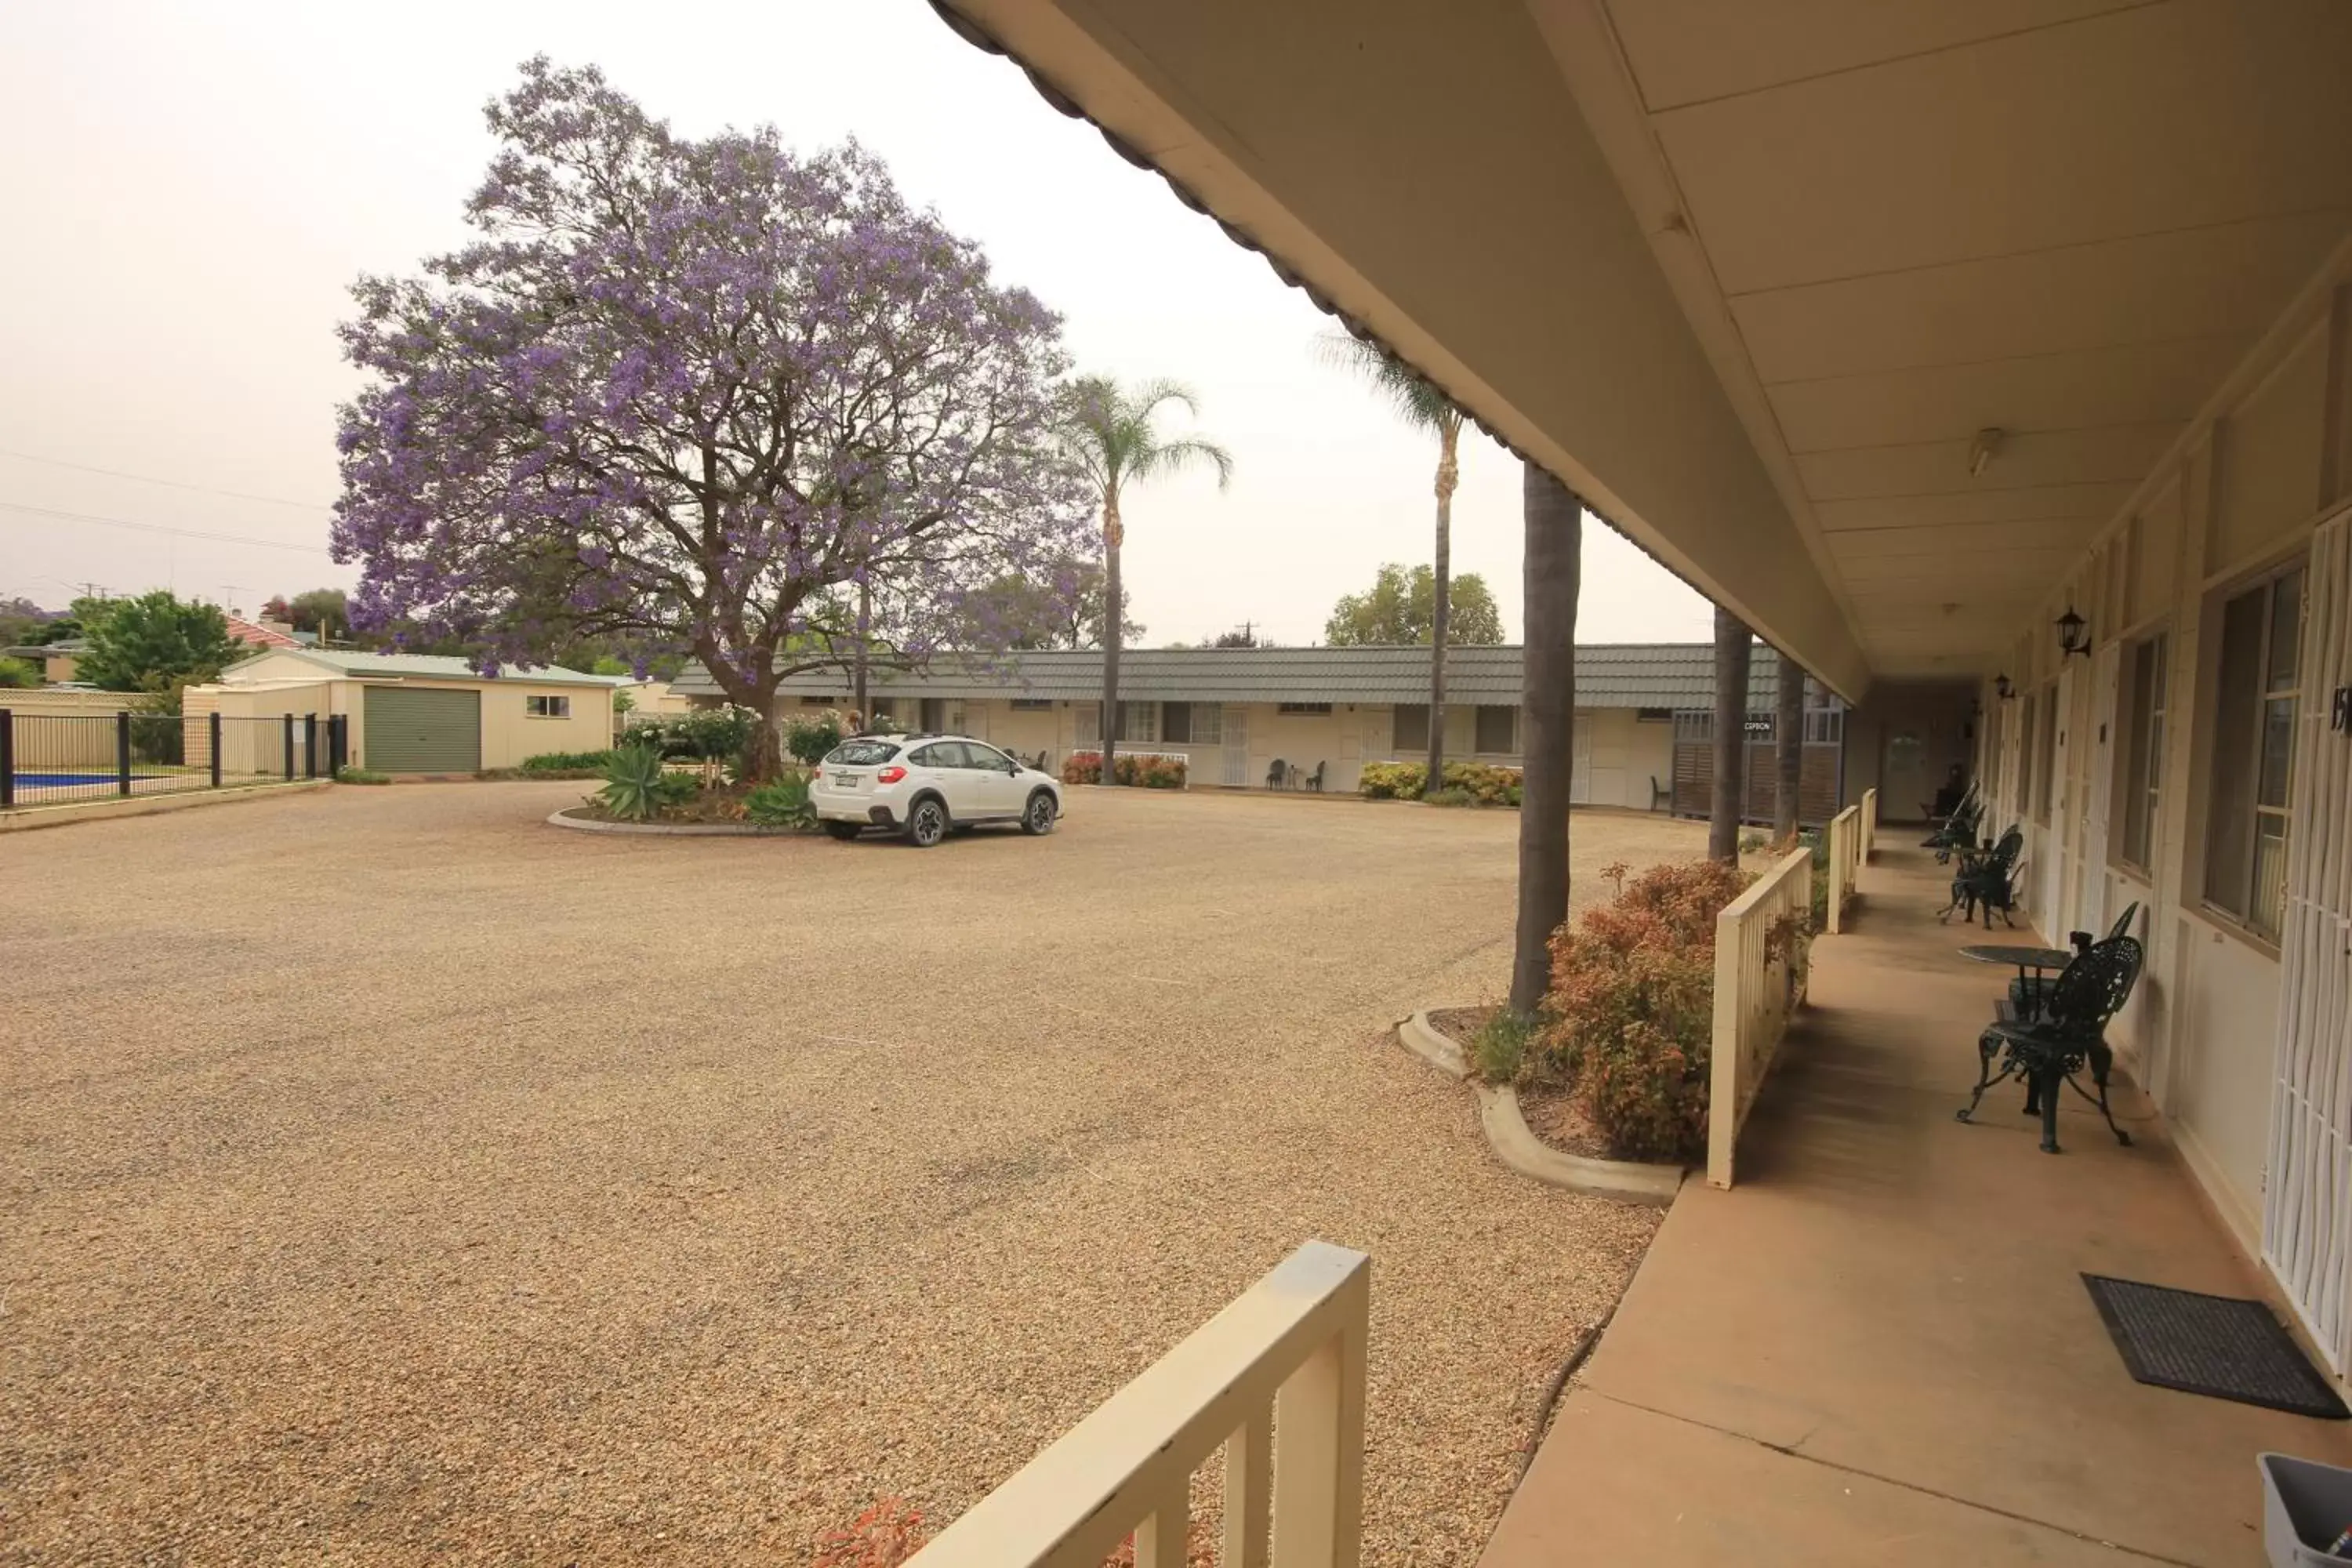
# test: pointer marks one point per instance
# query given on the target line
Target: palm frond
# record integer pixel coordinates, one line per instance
(1415, 399)
(1187, 452)
(1110, 431)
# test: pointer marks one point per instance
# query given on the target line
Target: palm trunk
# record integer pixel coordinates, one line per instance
(1112, 633)
(1731, 644)
(858, 677)
(1441, 606)
(1789, 756)
(1554, 522)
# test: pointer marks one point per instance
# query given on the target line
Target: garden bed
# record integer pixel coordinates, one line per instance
(1551, 1111)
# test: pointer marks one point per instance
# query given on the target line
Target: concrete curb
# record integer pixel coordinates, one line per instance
(674, 829)
(24, 819)
(1516, 1144)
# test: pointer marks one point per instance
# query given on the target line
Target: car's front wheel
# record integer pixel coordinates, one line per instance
(927, 824)
(845, 831)
(1039, 817)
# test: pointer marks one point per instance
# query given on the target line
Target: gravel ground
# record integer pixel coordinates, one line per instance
(391, 1177)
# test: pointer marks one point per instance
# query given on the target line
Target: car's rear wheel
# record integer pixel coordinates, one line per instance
(1039, 816)
(845, 831)
(927, 824)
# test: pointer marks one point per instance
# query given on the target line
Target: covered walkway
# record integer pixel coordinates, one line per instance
(1878, 1347)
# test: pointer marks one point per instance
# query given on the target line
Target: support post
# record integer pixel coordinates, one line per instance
(1318, 1474)
(288, 728)
(310, 745)
(7, 759)
(339, 742)
(123, 752)
(213, 742)
(1249, 1480)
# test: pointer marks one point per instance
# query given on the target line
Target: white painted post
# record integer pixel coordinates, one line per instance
(1319, 1468)
(1160, 1540)
(1723, 1087)
(1249, 1475)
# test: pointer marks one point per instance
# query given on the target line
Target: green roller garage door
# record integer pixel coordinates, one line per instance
(416, 730)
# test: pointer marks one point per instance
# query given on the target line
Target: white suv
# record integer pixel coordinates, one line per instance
(925, 785)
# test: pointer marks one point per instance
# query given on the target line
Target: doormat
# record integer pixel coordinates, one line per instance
(2214, 1345)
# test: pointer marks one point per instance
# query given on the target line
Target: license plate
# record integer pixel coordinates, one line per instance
(848, 781)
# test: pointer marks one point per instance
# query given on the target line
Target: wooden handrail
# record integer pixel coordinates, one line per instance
(1754, 989)
(1292, 1348)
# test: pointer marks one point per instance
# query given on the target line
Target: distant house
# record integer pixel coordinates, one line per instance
(418, 713)
(57, 660)
(1643, 721)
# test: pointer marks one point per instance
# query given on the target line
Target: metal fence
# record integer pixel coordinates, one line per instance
(46, 759)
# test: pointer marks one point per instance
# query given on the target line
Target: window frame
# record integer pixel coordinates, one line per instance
(1478, 746)
(2133, 848)
(1175, 716)
(1304, 709)
(1396, 726)
(546, 705)
(1032, 704)
(2267, 693)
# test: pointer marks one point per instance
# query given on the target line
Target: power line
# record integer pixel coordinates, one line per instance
(168, 484)
(159, 528)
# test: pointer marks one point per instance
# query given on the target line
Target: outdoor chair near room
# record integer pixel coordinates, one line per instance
(2027, 992)
(1314, 780)
(1277, 775)
(2066, 1036)
(1986, 880)
(1959, 830)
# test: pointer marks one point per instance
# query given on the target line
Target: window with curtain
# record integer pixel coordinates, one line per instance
(1412, 726)
(1498, 728)
(2144, 755)
(1139, 723)
(2256, 698)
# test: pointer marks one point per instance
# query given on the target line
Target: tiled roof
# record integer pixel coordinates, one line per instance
(246, 631)
(1608, 675)
(423, 666)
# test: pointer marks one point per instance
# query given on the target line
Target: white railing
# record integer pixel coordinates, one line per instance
(1846, 863)
(1287, 1359)
(1869, 826)
(1756, 988)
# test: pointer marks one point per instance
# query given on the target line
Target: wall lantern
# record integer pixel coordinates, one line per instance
(2003, 687)
(2074, 634)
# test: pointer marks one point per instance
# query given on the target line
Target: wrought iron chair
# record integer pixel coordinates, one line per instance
(1985, 881)
(2027, 992)
(1957, 831)
(1278, 775)
(1314, 780)
(2068, 1037)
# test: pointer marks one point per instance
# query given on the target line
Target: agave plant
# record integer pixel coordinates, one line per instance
(635, 785)
(782, 802)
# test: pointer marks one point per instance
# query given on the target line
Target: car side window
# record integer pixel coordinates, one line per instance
(944, 754)
(930, 757)
(987, 757)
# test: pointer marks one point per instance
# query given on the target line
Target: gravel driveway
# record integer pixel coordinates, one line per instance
(388, 1176)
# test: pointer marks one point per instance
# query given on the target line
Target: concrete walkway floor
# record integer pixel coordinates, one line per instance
(1878, 1349)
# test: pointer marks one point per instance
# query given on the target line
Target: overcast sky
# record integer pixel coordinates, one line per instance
(196, 187)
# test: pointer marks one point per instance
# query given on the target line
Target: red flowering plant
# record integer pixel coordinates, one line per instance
(1631, 1007)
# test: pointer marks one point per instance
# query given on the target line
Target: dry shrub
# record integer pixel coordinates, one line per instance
(888, 1534)
(1631, 1007)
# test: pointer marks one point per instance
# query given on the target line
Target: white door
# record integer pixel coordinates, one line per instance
(1579, 772)
(1237, 762)
(2051, 912)
(2091, 879)
(2307, 1196)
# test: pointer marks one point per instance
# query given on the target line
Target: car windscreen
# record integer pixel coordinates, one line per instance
(861, 754)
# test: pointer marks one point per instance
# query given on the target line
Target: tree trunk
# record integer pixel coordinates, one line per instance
(1554, 524)
(1113, 635)
(1789, 755)
(763, 754)
(1731, 647)
(857, 676)
(1441, 606)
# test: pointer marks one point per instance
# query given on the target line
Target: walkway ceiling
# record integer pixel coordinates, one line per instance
(1753, 278)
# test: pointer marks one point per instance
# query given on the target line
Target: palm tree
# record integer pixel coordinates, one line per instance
(1733, 642)
(1110, 434)
(1419, 402)
(1554, 521)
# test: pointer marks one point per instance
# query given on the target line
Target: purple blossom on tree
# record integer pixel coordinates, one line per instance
(691, 395)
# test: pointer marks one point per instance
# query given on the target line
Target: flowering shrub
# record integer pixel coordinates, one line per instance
(884, 1535)
(1631, 1007)
(1484, 783)
(809, 735)
(1148, 773)
(783, 802)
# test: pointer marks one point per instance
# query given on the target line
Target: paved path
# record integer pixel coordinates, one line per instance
(387, 1174)
(1877, 1349)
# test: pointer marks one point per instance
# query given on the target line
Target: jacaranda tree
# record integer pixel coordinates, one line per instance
(691, 395)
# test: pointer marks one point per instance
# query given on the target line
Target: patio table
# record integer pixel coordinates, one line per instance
(2036, 958)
